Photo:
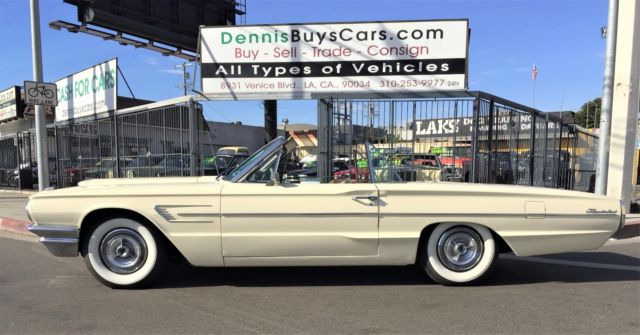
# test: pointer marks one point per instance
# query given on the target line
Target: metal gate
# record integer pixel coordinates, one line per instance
(463, 137)
(18, 161)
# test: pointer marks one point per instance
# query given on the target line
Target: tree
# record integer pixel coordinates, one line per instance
(589, 114)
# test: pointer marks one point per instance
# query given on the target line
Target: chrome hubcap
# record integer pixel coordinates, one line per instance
(460, 249)
(123, 251)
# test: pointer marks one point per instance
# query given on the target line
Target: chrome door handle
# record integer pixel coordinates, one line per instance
(367, 197)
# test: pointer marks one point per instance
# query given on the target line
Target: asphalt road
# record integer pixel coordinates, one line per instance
(40, 293)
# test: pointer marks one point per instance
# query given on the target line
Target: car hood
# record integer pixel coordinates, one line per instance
(135, 187)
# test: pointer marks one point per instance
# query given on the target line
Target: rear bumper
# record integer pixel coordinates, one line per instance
(62, 241)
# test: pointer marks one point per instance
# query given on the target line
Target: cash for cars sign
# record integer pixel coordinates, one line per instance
(297, 61)
(88, 92)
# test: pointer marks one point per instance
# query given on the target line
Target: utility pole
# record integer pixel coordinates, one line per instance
(626, 104)
(270, 119)
(194, 145)
(607, 100)
(41, 121)
(185, 76)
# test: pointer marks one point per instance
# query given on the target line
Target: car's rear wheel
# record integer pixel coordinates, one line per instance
(123, 253)
(457, 254)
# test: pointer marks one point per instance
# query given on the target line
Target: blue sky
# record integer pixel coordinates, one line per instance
(562, 37)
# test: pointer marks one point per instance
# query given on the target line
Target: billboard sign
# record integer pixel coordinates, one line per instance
(88, 92)
(169, 22)
(37, 93)
(10, 104)
(298, 61)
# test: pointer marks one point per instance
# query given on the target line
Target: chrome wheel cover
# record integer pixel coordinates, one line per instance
(460, 248)
(123, 251)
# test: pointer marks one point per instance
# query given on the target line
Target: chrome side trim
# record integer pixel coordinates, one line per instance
(62, 241)
(515, 215)
(187, 213)
(519, 215)
(295, 214)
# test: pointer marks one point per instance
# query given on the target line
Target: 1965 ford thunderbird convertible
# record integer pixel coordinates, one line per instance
(125, 228)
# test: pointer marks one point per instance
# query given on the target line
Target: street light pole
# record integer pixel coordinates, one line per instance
(41, 121)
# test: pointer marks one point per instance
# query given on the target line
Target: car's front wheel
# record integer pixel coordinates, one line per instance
(123, 253)
(457, 254)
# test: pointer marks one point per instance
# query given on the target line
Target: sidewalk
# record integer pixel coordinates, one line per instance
(12, 215)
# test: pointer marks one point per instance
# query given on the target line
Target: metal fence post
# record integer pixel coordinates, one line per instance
(193, 139)
(57, 163)
(532, 149)
(116, 143)
(18, 142)
(490, 172)
(544, 159)
(570, 154)
(31, 158)
(413, 128)
(474, 141)
(324, 139)
(559, 179)
(391, 136)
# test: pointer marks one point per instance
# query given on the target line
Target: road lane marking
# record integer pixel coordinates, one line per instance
(574, 263)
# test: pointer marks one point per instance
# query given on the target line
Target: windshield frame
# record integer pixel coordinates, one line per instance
(254, 161)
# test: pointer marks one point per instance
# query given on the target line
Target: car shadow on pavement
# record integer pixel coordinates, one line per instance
(628, 231)
(507, 271)
(184, 275)
(595, 267)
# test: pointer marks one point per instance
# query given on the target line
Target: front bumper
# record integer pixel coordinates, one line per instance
(62, 241)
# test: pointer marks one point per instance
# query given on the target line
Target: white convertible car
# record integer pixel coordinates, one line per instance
(125, 228)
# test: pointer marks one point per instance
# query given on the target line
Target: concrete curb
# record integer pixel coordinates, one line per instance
(12, 190)
(15, 226)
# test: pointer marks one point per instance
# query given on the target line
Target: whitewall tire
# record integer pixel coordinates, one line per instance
(123, 253)
(457, 254)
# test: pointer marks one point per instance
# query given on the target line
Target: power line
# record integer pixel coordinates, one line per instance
(217, 111)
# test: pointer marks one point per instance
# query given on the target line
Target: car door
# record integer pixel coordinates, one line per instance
(298, 220)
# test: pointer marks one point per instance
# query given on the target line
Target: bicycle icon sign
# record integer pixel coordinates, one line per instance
(45, 94)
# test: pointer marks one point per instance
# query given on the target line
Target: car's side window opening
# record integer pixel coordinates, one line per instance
(280, 164)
